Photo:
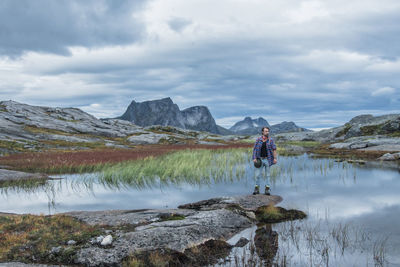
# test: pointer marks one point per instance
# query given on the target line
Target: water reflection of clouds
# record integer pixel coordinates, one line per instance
(344, 197)
(318, 184)
(364, 197)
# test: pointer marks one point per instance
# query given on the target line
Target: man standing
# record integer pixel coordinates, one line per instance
(265, 150)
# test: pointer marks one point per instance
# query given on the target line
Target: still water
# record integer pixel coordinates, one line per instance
(360, 202)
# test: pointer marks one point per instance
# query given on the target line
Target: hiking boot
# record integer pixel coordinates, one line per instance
(256, 190)
(267, 191)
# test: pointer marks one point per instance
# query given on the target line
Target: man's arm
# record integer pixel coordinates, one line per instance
(254, 150)
(274, 152)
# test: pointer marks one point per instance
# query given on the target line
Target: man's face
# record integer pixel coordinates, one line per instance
(265, 132)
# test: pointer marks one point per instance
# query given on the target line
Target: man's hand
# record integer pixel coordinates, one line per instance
(254, 160)
(275, 161)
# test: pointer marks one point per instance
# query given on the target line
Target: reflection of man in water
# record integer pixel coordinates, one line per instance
(264, 149)
(266, 242)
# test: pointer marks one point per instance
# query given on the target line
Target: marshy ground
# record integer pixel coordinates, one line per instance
(352, 208)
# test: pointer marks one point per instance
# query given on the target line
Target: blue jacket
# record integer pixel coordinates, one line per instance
(270, 147)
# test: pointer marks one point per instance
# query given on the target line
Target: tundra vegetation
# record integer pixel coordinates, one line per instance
(30, 238)
(52, 162)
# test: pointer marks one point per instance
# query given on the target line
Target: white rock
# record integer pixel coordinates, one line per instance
(99, 239)
(107, 240)
(149, 138)
(71, 242)
(388, 156)
(251, 215)
(340, 145)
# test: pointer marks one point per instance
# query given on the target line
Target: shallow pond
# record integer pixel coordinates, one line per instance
(356, 206)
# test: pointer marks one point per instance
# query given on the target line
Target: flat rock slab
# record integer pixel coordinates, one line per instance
(247, 202)
(9, 175)
(195, 229)
(388, 148)
(124, 217)
(175, 229)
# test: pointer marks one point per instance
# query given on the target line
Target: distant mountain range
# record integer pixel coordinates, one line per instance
(253, 126)
(165, 112)
(36, 128)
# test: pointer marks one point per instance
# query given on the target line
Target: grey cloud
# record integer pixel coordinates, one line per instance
(248, 72)
(178, 24)
(254, 71)
(377, 34)
(53, 26)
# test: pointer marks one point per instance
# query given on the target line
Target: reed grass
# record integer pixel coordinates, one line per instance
(201, 166)
(21, 185)
(321, 243)
(55, 162)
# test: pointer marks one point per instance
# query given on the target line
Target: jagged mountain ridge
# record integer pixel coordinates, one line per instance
(286, 127)
(253, 126)
(249, 125)
(165, 112)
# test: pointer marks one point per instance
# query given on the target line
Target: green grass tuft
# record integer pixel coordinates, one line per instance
(195, 166)
(272, 214)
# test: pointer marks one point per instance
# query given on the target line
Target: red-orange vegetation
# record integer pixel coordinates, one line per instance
(42, 161)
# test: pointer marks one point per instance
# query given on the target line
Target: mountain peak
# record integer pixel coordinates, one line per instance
(248, 119)
(253, 126)
(165, 99)
(165, 112)
(249, 125)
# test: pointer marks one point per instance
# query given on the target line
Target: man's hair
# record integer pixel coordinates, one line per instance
(262, 129)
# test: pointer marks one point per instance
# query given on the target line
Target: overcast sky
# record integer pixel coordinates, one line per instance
(317, 63)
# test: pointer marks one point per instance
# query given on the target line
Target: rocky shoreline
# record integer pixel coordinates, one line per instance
(213, 219)
(16, 176)
(138, 234)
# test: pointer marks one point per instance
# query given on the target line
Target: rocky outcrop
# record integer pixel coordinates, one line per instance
(15, 176)
(173, 229)
(33, 128)
(390, 156)
(359, 126)
(248, 202)
(164, 112)
(376, 143)
(364, 133)
(22, 121)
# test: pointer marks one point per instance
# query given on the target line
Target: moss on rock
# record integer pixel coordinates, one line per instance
(272, 214)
